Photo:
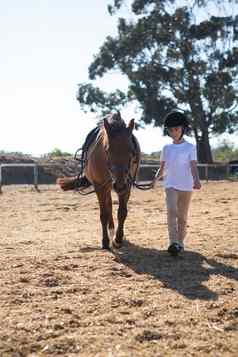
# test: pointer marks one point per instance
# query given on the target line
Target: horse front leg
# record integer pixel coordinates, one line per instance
(110, 219)
(105, 216)
(121, 216)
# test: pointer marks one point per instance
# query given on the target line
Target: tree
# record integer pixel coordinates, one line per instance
(172, 60)
(56, 152)
(225, 151)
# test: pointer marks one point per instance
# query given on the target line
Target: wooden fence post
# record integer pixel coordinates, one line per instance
(0, 179)
(36, 177)
(206, 172)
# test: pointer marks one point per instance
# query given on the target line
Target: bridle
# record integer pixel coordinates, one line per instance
(123, 169)
(131, 181)
(113, 170)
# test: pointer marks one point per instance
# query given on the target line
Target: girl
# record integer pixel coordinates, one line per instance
(178, 167)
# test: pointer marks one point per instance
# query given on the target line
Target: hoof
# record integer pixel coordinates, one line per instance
(106, 247)
(116, 245)
(174, 249)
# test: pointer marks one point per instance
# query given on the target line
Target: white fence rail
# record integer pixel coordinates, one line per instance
(226, 167)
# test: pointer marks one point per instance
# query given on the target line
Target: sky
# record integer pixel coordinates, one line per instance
(46, 47)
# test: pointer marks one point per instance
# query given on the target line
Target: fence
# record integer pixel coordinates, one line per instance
(206, 171)
(147, 171)
(33, 166)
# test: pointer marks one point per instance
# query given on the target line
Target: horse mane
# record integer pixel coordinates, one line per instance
(116, 123)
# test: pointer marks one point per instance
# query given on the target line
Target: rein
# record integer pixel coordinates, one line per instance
(132, 180)
(144, 186)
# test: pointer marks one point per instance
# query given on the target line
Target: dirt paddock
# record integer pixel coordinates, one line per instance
(61, 295)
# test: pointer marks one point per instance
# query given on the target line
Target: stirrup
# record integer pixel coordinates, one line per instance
(83, 182)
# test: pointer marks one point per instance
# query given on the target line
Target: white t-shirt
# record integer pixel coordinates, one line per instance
(177, 170)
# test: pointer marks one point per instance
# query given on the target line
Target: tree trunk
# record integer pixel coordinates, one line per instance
(204, 151)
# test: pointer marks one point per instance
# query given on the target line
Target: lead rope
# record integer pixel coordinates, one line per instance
(146, 186)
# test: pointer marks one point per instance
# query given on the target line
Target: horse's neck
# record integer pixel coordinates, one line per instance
(95, 144)
(97, 149)
(96, 167)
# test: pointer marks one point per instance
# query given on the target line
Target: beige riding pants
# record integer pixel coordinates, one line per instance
(177, 203)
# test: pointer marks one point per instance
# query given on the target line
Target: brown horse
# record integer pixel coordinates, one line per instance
(112, 163)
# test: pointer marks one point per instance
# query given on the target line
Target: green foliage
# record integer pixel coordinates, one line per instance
(13, 153)
(154, 156)
(56, 152)
(172, 61)
(139, 6)
(94, 99)
(226, 152)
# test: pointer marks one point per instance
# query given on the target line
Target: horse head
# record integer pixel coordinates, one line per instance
(119, 150)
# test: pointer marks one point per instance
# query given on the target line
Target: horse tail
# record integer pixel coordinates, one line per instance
(67, 183)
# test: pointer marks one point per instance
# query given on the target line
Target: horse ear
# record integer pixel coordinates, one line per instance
(131, 125)
(106, 125)
(119, 115)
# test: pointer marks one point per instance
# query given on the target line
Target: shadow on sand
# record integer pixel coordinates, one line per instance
(185, 274)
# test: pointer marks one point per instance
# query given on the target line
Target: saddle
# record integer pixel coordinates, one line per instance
(82, 181)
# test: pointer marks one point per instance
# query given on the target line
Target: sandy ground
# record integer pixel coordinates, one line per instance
(61, 295)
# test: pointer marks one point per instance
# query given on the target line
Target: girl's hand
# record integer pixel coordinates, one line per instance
(196, 180)
(197, 185)
(154, 182)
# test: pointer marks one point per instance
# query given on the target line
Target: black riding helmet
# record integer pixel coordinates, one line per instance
(174, 119)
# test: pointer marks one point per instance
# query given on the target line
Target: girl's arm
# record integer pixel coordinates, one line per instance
(194, 170)
(161, 170)
(159, 173)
